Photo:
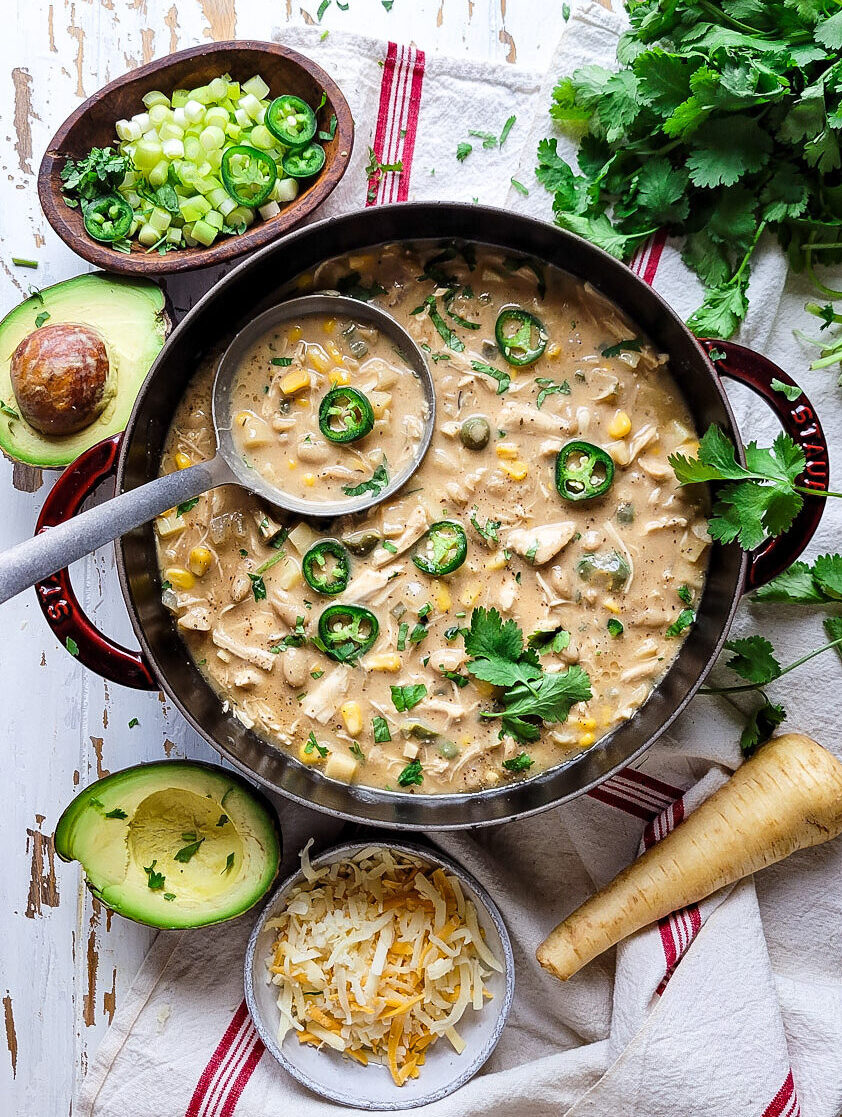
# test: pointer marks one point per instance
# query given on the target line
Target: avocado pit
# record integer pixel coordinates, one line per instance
(61, 376)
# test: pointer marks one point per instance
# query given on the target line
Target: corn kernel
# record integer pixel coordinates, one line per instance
(497, 561)
(295, 381)
(182, 460)
(311, 757)
(360, 263)
(199, 561)
(334, 351)
(329, 325)
(294, 334)
(586, 739)
(179, 577)
(610, 604)
(587, 723)
(339, 377)
(620, 425)
(553, 351)
(465, 740)
(491, 777)
(471, 594)
(302, 401)
(383, 661)
(309, 480)
(517, 470)
(352, 715)
(317, 358)
(241, 418)
(506, 450)
(442, 597)
(292, 463)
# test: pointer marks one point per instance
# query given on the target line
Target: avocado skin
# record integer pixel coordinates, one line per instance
(133, 318)
(102, 845)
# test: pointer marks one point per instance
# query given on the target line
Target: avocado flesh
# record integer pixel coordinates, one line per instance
(170, 806)
(129, 315)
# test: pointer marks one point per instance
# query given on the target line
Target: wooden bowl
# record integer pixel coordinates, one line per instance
(92, 125)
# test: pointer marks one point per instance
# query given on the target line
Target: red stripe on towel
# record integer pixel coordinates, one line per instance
(208, 1075)
(386, 83)
(397, 123)
(411, 123)
(785, 1102)
(228, 1070)
(238, 1084)
(656, 248)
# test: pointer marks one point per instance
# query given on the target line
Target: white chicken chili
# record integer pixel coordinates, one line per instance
(326, 409)
(517, 600)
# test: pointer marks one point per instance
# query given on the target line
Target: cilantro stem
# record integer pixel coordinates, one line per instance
(830, 292)
(832, 358)
(784, 671)
(818, 492)
(735, 277)
(721, 16)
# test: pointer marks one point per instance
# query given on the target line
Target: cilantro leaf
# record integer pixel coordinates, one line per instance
(412, 774)
(764, 500)
(753, 659)
(407, 697)
(760, 726)
(188, 851)
(375, 484)
(519, 763)
(154, 880)
(552, 642)
(550, 700)
(827, 572)
(795, 586)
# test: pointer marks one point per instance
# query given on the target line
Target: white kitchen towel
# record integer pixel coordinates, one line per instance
(730, 1007)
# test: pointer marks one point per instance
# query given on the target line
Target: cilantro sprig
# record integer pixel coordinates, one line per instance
(532, 696)
(759, 499)
(723, 121)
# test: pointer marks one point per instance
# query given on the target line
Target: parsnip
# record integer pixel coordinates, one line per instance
(788, 796)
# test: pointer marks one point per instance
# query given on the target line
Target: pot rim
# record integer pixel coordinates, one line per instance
(425, 808)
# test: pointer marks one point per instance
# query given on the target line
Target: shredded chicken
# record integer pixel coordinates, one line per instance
(322, 701)
(251, 654)
(542, 543)
(416, 525)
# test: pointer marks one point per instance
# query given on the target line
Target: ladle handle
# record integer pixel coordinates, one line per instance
(56, 547)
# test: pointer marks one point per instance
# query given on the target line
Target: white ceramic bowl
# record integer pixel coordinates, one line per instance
(342, 1080)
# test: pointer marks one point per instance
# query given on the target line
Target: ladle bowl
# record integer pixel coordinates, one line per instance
(37, 558)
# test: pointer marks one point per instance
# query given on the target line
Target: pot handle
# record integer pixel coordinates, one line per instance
(59, 603)
(800, 421)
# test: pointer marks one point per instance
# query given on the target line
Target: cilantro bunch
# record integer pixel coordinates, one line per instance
(758, 499)
(724, 120)
(532, 696)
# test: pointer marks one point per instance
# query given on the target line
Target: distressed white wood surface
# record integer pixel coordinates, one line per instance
(64, 962)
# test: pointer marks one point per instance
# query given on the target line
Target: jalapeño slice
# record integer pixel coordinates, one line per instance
(108, 218)
(521, 337)
(291, 120)
(347, 631)
(442, 549)
(583, 471)
(304, 162)
(248, 174)
(327, 567)
(345, 415)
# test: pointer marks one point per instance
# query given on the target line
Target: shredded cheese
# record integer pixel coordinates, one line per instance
(378, 957)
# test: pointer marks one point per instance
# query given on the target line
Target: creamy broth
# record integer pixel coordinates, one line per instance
(608, 583)
(323, 406)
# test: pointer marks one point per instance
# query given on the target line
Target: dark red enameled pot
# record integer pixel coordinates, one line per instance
(254, 285)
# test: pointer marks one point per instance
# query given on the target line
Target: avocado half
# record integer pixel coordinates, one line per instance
(174, 843)
(130, 315)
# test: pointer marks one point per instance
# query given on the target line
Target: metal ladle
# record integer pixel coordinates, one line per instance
(37, 558)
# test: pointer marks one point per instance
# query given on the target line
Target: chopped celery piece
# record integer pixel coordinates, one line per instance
(205, 234)
(256, 86)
